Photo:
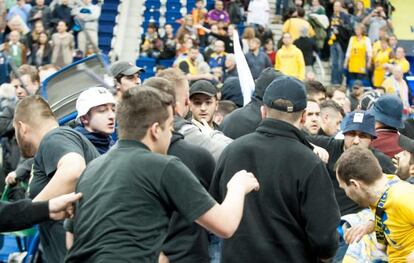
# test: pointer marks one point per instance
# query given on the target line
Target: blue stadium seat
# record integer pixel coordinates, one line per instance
(154, 15)
(172, 16)
(147, 64)
(173, 6)
(147, 75)
(105, 29)
(152, 4)
(108, 17)
(167, 63)
(190, 6)
(110, 7)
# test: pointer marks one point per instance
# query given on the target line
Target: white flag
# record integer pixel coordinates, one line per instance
(245, 76)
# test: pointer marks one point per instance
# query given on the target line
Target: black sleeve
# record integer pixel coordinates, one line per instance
(54, 148)
(22, 214)
(184, 67)
(24, 168)
(184, 191)
(317, 198)
(386, 163)
(206, 167)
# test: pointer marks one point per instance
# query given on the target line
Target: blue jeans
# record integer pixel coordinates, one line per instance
(281, 5)
(337, 63)
(214, 248)
(340, 253)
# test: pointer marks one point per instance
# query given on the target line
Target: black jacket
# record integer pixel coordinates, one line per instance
(22, 214)
(242, 121)
(294, 215)
(188, 242)
(307, 45)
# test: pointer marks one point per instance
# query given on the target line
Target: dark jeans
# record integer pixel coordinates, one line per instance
(281, 5)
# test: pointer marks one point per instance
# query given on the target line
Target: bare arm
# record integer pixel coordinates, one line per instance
(223, 219)
(69, 168)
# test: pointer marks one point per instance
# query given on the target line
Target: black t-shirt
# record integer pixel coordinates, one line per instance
(54, 145)
(129, 195)
(335, 149)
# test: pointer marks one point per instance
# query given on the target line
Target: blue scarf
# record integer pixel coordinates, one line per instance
(101, 142)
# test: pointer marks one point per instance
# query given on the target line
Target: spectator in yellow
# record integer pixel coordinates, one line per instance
(400, 60)
(289, 59)
(358, 54)
(381, 59)
(376, 46)
(396, 85)
(294, 25)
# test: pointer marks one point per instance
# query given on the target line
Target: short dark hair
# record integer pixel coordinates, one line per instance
(161, 84)
(226, 106)
(314, 86)
(140, 107)
(33, 110)
(300, 11)
(332, 105)
(360, 164)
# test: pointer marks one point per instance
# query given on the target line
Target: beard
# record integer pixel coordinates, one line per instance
(27, 150)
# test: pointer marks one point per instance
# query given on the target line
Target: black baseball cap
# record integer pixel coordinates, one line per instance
(203, 87)
(124, 68)
(286, 88)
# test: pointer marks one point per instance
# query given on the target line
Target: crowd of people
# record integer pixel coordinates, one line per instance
(38, 34)
(180, 168)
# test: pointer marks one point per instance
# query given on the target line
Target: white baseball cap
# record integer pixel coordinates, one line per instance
(93, 97)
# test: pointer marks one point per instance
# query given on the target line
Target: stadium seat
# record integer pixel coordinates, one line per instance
(172, 16)
(152, 4)
(173, 6)
(154, 15)
(146, 63)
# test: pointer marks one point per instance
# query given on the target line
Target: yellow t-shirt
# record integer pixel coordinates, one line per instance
(290, 62)
(381, 58)
(294, 25)
(367, 3)
(399, 222)
(357, 55)
(403, 63)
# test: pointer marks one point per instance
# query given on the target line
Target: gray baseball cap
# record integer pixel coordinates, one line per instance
(124, 68)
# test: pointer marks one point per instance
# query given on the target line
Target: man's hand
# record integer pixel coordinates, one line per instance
(321, 153)
(203, 126)
(245, 180)
(11, 178)
(355, 234)
(62, 206)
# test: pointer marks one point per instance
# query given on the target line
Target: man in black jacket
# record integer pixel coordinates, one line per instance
(24, 213)
(245, 120)
(283, 221)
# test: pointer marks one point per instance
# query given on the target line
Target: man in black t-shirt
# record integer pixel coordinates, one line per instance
(130, 192)
(60, 156)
